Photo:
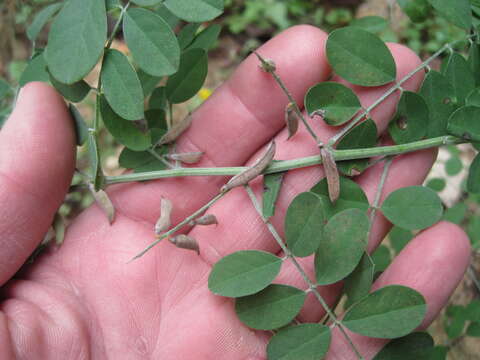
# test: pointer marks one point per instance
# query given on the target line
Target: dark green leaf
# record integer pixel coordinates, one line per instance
(358, 284)
(360, 57)
(453, 166)
(112, 4)
(415, 346)
(411, 120)
(460, 76)
(473, 99)
(457, 12)
(41, 19)
(304, 224)
(456, 214)
(472, 311)
(473, 182)
(207, 38)
(351, 196)
(195, 10)
(300, 342)
(152, 42)
(167, 15)
(342, 246)
(413, 207)
(5, 89)
(35, 71)
(272, 183)
(474, 329)
(124, 131)
(147, 2)
(399, 238)
(243, 273)
(391, 312)
(437, 184)
(158, 100)
(438, 353)
(190, 76)
(373, 24)
(474, 61)
(121, 86)
(149, 82)
(76, 40)
(465, 123)
(95, 165)
(438, 94)
(382, 258)
(271, 308)
(337, 102)
(141, 161)
(187, 34)
(362, 136)
(81, 128)
(417, 10)
(75, 92)
(156, 119)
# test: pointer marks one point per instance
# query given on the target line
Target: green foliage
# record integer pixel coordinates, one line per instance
(272, 185)
(195, 10)
(461, 124)
(81, 129)
(411, 120)
(415, 346)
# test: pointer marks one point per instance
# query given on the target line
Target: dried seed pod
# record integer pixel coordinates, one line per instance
(252, 172)
(102, 199)
(175, 131)
(291, 119)
(208, 219)
(187, 158)
(331, 172)
(266, 65)
(164, 222)
(185, 242)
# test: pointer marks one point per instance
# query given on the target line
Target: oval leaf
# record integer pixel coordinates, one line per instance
(121, 86)
(457, 12)
(271, 308)
(391, 312)
(190, 76)
(473, 183)
(411, 120)
(460, 76)
(76, 39)
(336, 102)
(41, 19)
(373, 24)
(413, 207)
(304, 224)
(195, 10)
(465, 123)
(81, 128)
(357, 285)
(414, 346)
(300, 342)
(152, 42)
(207, 38)
(243, 273)
(36, 70)
(344, 241)
(360, 57)
(75, 92)
(146, 2)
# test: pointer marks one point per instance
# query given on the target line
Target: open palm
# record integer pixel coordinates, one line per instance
(84, 301)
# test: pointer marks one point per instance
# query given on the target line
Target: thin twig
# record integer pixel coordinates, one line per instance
(158, 157)
(311, 285)
(117, 26)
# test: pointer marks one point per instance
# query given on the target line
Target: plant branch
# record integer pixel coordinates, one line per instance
(281, 166)
(117, 26)
(311, 285)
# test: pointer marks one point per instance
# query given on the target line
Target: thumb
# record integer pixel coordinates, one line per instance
(37, 160)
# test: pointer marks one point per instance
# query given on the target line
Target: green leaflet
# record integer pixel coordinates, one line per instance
(95, 165)
(415, 346)
(81, 128)
(147, 2)
(413, 207)
(121, 86)
(158, 100)
(142, 161)
(207, 38)
(453, 166)
(460, 77)
(456, 214)
(187, 34)
(149, 82)
(417, 10)
(271, 308)
(75, 92)
(36, 70)
(457, 12)
(360, 57)
(390, 312)
(272, 184)
(5, 89)
(381, 258)
(474, 61)
(437, 184)
(152, 42)
(41, 19)
(243, 273)
(190, 76)
(342, 246)
(300, 342)
(195, 10)
(473, 182)
(76, 40)
(373, 24)
(399, 238)
(465, 123)
(337, 103)
(359, 282)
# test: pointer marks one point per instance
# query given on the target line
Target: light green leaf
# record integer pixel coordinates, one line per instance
(360, 57)
(76, 40)
(167, 15)
(391, 312)
(473, 182)
(413, 207)
(465, 123)
(207, 38)
(457, 12)
(300, 342)
(351, 196)
(460, 76)
(81, 128)
(358, 284)
(337, 102)
(121, 86)
(190, 76)
(243, 273)
(304, 224)
(271, 308)
(124, 131)
(36, 70)
(152, 42)
(272, 183)
(75, 92)
(342, 246)
(195, 10)
(41, 19)
(147, 2)
(373, 24)
(411, 120)
(415, 346)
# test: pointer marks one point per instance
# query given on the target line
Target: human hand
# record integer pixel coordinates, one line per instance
(85, 301)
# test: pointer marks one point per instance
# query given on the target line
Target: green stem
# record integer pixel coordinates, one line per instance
(286, 165)
(311, 285)
(117, 26)
(160, 158)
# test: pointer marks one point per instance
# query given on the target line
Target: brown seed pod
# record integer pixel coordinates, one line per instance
(208, 219)
(252, 172)
(331, 172)
(176, 131)
(291, 119)
(187, 158)
(104, 202)
(164, 222)
(266, 65)
(185, 242)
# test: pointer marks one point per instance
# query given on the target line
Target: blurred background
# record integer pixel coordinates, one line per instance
(249, 23)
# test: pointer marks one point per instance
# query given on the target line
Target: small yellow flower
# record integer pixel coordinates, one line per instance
(204, 93)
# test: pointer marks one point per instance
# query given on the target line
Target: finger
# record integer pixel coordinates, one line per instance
(245, 230)
(231, 125)
(433, 263)
(37, 159)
